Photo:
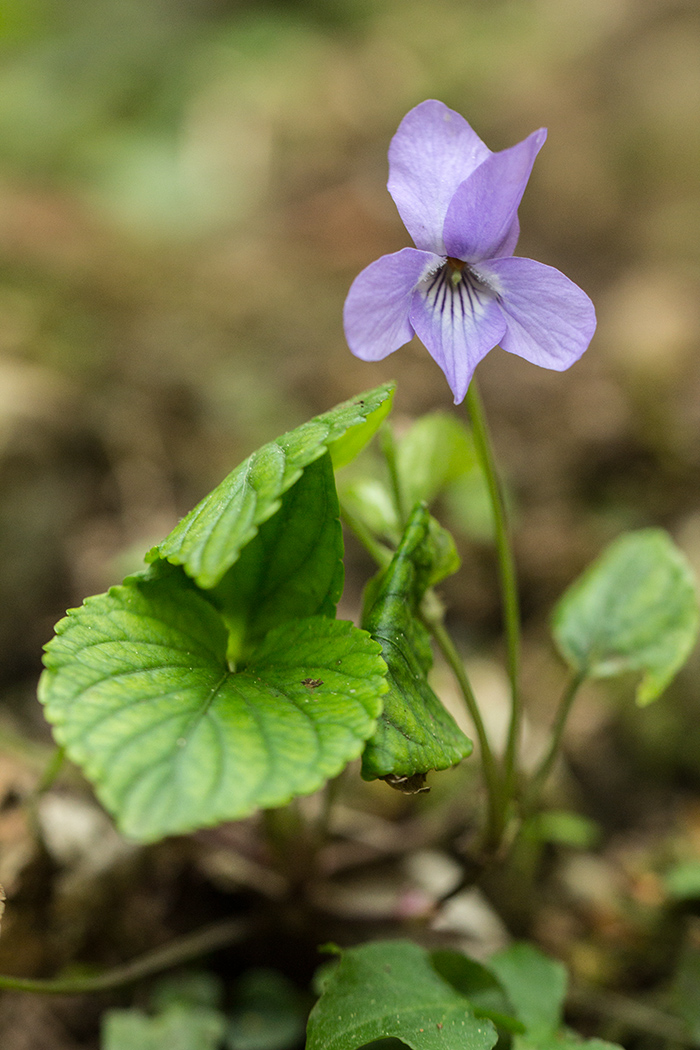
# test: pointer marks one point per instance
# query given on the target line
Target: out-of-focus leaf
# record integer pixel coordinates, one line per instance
(415, 733)
(268, 1013)
(562, 827)
(176, 1028)
(476, 982)
(436, 451)
(535, 986)
(388, 989)
(682, 881)
(634, 610)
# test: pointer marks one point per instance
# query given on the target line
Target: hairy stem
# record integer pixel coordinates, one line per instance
(508, 582)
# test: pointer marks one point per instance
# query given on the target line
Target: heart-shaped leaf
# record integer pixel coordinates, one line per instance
(210, 538)
(634, 610)
(291, 569)
(139, 692)
(415, 733)
(389, 989)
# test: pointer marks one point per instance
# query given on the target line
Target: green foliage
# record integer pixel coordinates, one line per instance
(434, 457)
(268, 1013)
(415, 733)
(389, 989)
(201, 690)
(436, 451)
(396, 990)
(176, 1027)
(634, 610)
(292, 568)
(140, 694)
(210, 538)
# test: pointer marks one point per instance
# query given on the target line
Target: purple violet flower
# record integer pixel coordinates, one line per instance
(461, 289)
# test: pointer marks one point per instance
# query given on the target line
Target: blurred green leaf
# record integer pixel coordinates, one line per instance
(176, 1028)
(436, 451)
(415, 733)
(476, 982)
(563, 828)
(210, 538)
(388, 989)
(139, 692)
(682, 881)
(634, 610)
(268, 1013)
(535, 986)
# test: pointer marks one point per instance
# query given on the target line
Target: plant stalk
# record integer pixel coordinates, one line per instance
(541, 774)
(179, 951)
(508, 583)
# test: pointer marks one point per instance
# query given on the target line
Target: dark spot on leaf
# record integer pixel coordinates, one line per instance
(312, 683)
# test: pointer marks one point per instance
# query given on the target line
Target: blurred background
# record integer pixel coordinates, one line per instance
(187, 189)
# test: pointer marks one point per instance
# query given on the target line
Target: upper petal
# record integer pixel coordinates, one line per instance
(375, 315)
(481, 215)
(433, 151)
(458, 324)
(550, 320)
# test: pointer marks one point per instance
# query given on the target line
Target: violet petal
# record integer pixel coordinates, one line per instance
(550, 320)
(376, 309)
(433, 151)
(459, 325)
(480, 217)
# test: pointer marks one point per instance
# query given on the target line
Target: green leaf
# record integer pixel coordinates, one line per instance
(562, 827)
(291, 569)
(415, 733)
(479, 986)
(210, 538)
(682, 881)
(139, 692)
(376, 404)
(436, 451)
(268, 1013)
(176, 1028)
(535, 986)
(389, 989)
(634, 610)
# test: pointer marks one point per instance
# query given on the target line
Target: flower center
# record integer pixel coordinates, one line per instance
(454, 269)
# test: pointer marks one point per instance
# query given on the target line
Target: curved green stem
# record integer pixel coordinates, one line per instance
(508, 581)
(539, 777)
(179, 951)
(494, 786)
(376, 550)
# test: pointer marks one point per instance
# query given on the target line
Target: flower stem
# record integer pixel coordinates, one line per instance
(388, 446)
(509, 588)
(492, 778)
(539, 777)
(179, 951)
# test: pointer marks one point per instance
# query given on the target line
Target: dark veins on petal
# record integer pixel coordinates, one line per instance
(456, 286)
